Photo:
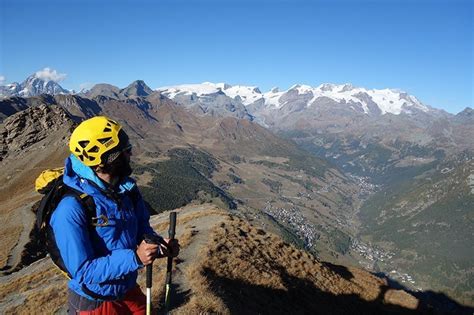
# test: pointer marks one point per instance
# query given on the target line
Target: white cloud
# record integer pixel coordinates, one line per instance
(85, 86)
(50, 75)
(2, 79)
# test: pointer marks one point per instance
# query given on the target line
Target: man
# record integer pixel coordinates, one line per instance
(103, 256)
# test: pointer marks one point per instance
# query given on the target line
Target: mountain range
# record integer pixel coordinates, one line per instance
(372, 178)
(371, 102)
(328, 108)
(368, 101)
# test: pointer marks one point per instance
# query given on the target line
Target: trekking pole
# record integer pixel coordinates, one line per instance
(169, 267)
(150, 239)
(149, 271)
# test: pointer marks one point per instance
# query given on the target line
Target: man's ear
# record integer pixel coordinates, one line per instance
(98, 169)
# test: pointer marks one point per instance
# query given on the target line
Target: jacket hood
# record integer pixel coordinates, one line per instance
(80, 176)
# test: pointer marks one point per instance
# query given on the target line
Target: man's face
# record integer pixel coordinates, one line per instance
(120, 167)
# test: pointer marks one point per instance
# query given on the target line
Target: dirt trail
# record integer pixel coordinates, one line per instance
(27, 221)
(193, 230)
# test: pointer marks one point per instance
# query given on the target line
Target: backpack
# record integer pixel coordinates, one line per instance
(50, 184)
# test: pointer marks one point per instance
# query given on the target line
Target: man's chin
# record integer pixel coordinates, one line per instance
(124, 172)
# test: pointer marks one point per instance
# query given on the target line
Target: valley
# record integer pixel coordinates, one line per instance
(416, 219)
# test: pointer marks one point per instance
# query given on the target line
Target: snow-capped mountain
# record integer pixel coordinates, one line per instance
(32, 86)
(245, 94)
(213, 99)
(368, 101)
(386, 100)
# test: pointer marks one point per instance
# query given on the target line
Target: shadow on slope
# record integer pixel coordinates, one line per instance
(300, 296)
(430, 299)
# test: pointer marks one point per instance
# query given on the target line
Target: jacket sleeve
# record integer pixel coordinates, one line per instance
(71, 232)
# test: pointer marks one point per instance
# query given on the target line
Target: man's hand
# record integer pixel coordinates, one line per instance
(147, 252)
(172, 250)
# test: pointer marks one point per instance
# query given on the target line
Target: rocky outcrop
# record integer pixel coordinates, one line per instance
(30, 126)
(77, 106)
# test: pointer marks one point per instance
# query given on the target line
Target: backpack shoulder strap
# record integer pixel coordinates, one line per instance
(134, 194)
(88, 204)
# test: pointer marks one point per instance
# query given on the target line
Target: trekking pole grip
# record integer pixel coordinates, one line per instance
(149, 274)
(171, 231)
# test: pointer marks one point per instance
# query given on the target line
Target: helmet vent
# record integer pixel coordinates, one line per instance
(111, 122)
(106, 129)
(104, 140)
(83, 143)
(94, 149)
(78, 150)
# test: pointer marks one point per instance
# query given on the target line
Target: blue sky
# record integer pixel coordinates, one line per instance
(422, 47)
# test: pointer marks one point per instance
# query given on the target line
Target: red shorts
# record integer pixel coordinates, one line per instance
(134, 303)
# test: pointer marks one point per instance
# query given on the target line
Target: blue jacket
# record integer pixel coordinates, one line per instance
(104, 262)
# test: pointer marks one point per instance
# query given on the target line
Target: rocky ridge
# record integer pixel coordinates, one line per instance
(29, 127)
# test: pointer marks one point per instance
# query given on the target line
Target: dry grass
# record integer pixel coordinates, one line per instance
(28, 282)
(41, 291)
(188, 235)
(247, 270)
(144, 179)
(49, 301)
(203, 300)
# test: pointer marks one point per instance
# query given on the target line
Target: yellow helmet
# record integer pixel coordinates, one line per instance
(94, 137)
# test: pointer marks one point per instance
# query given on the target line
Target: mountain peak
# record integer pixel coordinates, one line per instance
(36, 84)
(301, 88)
(347, 87)
(136, 88)
(326, 87)
(466, 114)
(222, 86)
(103, 89)
(467, 111)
